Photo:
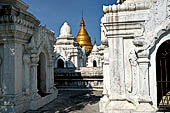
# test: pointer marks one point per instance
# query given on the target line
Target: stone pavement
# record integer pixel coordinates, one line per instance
(73, 102)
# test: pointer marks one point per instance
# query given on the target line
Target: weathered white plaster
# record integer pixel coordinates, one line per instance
(134, 37)
(22, 41)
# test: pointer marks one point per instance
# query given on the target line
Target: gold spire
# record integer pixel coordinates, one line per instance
(83, 38)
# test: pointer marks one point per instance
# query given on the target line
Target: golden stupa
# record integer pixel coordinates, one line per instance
(83, 38)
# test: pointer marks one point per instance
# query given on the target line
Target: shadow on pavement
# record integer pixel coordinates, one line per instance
(73, 102)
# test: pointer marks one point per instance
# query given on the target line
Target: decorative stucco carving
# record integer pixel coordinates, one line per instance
(132, 84)
(42, 39)
(104, 40)
(128, 5)
(17, 20)
(26, 59)
(34, 58)
(143, 45)
(146, 42)
(124, 28)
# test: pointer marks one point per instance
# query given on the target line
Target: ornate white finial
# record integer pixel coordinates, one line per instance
(65, 30)
(95, 48)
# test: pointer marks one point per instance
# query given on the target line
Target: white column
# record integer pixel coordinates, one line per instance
(145, 102)
(116, 74)
(34, 65)
(27, 63)
(143, 62)
(106, 81)
(51, 87)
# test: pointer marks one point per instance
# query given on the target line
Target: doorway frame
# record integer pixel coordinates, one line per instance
(161, 38)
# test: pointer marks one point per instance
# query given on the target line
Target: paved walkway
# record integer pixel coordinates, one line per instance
(73, 102)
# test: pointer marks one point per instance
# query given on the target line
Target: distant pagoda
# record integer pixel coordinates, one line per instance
(83, 38)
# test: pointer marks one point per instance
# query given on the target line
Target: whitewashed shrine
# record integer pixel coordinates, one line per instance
(68, 53)
(95, 59)
(137, 33)
(26, 60)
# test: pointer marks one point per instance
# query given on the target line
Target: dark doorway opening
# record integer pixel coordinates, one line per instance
(41, 75)
(60, 63)
(163, 76)
(94, 63)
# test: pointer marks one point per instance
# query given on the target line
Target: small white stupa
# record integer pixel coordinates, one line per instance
(67, 49)
(65, 30)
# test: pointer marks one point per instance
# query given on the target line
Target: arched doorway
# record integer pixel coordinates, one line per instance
(41, 75)
(60, 63)
(94, 63)
(163, 76)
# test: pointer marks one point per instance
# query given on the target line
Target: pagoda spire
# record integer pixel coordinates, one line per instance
(82, 20)
(83, 38)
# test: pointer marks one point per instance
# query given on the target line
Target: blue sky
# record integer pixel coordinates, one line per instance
(53, 13)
